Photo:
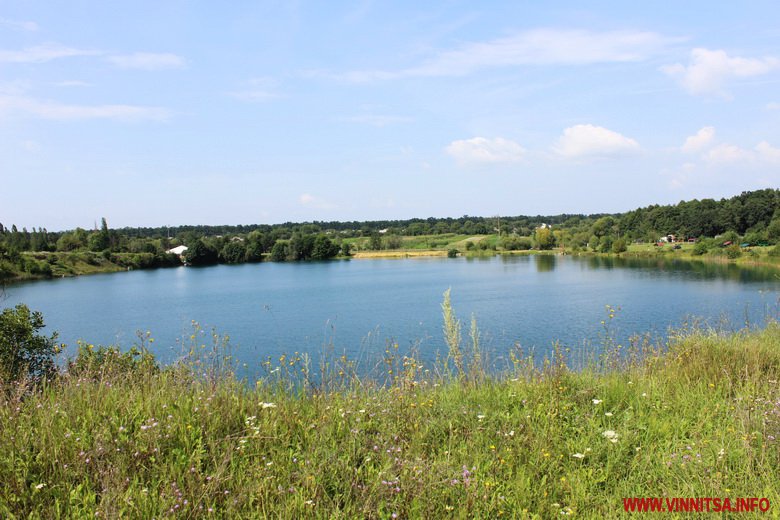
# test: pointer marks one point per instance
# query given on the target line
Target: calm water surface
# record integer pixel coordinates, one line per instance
(358, 305)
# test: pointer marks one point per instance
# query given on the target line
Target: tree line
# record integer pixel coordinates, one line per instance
(751, 216)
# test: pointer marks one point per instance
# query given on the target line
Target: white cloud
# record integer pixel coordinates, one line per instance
(534, 47)
(701, 140)
(309, 200)
(482, 150)
(73, 83)
(42, 53)
(590, 140)
(20, 25)
(768, 152)
(708, 71)
(58, 111)
(727, 153)
(257, 90)
(378, 120)
(147, 61)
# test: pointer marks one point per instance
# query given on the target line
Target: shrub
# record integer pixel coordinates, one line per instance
(700, 248)
(24, 352)
(452, 253)
(733, 252)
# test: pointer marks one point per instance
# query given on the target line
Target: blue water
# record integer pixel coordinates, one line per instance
(356, 306)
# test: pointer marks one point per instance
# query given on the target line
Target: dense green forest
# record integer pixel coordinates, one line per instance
(750, 218)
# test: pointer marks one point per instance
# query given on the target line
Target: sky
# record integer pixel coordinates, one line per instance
(171, 113)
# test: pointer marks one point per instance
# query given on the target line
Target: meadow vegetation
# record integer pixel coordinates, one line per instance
(117, 435)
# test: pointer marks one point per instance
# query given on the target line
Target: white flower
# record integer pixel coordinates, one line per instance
(480, 417)
(40, 486)
(608, 414)
(610, 435)
(268, 405)
(578, 455)
(597, 401)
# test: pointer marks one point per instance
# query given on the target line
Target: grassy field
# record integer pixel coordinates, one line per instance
(697, 417)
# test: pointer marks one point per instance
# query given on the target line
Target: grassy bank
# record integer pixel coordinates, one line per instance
(43, 264)
(113, 438)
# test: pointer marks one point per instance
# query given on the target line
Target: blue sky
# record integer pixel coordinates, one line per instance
(169, 113)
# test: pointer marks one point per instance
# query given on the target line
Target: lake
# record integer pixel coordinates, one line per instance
(357, 306)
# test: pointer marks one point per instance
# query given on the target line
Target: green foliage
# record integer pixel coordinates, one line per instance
(200, 253)
(72, 241)
(280, 251)
(701, 247)
(393, 242)
(24, 353)
(452, 334)
(324, 248)
(110, 362)
(733, 252)
(515, 243)
(544, 238)
(233, 252)
(619, 246)
(773, 231)
(452, 253)
(375, 241)
(254, 252)
(301, 246)
(114, 439)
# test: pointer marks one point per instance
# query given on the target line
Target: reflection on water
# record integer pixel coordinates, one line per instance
(544, 263)
(688, 269)
(356, 306)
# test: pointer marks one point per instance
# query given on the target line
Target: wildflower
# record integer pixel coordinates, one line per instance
(608, 414)
(480, 417)
(268, 405)
(597, 401)
(40, 486)
(610, 435)
(578, 455)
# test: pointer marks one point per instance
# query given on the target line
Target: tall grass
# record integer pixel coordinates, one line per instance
(118, 436)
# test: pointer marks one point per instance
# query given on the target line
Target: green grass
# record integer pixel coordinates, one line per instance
(114, 438)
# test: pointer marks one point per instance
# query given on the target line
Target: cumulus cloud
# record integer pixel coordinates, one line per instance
(309, 200)
(59, 111)
(534, 47)
(709, 70)
(699, 141)
(378, 120)
(147, 61)
(591, 140)
(727, 153)
(42, 53)
(483, 150)
(768, 152)
(21, 25)
(257, 90)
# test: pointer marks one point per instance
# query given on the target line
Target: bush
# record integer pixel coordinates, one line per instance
(619, 246)
(700, 248)
(452, 253)
(106, 362)
(24, 352)
(733, 252)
